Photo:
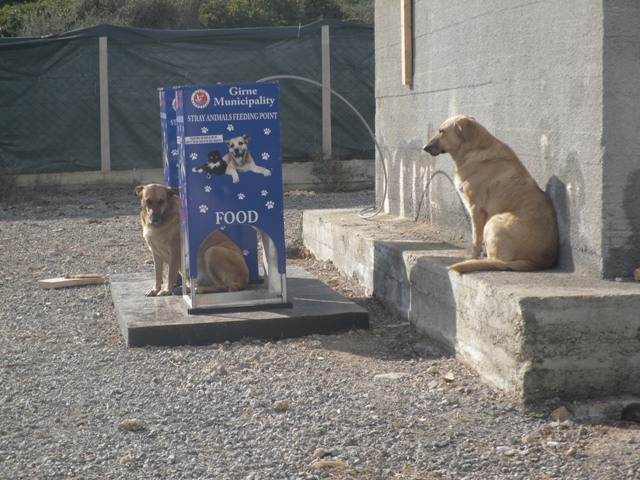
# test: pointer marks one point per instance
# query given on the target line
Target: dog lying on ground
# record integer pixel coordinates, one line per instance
(160, 219)
(239, 158)
(221, 265)
(508, 210)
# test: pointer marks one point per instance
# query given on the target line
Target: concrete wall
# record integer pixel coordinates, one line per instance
(621, 121)
(557, 81)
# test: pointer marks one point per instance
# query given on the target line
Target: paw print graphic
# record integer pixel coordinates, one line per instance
(245, 252)
(204, 130)
(265, 156)
(264, 193)
(241, 196)
(270, 204)
(174, 152)
(230, 128)
(203, 208)
(193, 156)
(207, 188)
(267, 131)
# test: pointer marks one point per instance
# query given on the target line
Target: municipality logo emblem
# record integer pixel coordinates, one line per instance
(200, 98)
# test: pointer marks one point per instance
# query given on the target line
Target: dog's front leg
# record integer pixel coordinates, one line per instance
(234, 174)
(264, 171)
(158, 267)
(478, 221)
(172, 276)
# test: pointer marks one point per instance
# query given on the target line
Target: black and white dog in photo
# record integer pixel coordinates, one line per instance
(239, 158)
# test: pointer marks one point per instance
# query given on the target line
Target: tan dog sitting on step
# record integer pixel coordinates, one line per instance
(508, 210)
(221, 265)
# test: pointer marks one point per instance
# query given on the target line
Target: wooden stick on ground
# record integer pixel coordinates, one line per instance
(72, 281)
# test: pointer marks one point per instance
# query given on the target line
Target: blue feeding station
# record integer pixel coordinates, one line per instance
(230, 179)
(168, 126)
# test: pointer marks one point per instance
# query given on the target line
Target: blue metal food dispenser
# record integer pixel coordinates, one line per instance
(170, 152)
(230, 177)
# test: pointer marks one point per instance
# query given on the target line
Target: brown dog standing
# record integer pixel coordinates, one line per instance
(507, 208)
(160, 219)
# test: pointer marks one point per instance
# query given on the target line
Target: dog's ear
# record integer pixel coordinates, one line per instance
(246, 137)
(466, 127)
(138, 190)
(171, 191)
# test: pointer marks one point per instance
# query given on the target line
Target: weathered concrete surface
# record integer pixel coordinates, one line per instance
(534, 335)
(557, 82)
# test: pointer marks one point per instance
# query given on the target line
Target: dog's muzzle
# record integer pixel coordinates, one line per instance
(433, 149)
(155, 218)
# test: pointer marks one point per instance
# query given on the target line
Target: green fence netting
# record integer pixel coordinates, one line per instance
(50, 90)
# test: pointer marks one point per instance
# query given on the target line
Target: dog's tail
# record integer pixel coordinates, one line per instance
(493, 264)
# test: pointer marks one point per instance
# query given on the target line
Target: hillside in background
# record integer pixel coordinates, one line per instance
(47, 17)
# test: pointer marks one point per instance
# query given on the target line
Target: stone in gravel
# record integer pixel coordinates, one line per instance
(329, 464)
(448, 377)
(216, 371)
(132, 425)
(506, 451)
(281, 406)
(321, 453)
(561, 414)
(391, 376)
(125, 459)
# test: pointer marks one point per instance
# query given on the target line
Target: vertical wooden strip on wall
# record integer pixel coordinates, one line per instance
(407, 41)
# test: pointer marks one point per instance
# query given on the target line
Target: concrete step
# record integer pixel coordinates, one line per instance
(535, 336)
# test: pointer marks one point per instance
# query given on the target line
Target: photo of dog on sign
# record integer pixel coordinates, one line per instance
(239, 159)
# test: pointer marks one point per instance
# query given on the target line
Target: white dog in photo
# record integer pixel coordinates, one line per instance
(239, 159)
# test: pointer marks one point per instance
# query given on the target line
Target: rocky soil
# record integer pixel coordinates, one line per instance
(75, 402)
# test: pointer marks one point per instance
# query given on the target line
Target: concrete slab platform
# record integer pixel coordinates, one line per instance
(164, 321)
(536, 336)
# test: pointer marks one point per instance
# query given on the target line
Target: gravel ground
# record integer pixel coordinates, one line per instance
(377, 404)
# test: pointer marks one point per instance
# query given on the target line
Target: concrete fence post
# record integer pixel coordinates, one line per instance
(105, 148)
(326, 93)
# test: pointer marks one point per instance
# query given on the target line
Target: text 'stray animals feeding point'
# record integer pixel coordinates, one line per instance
(230, 181)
